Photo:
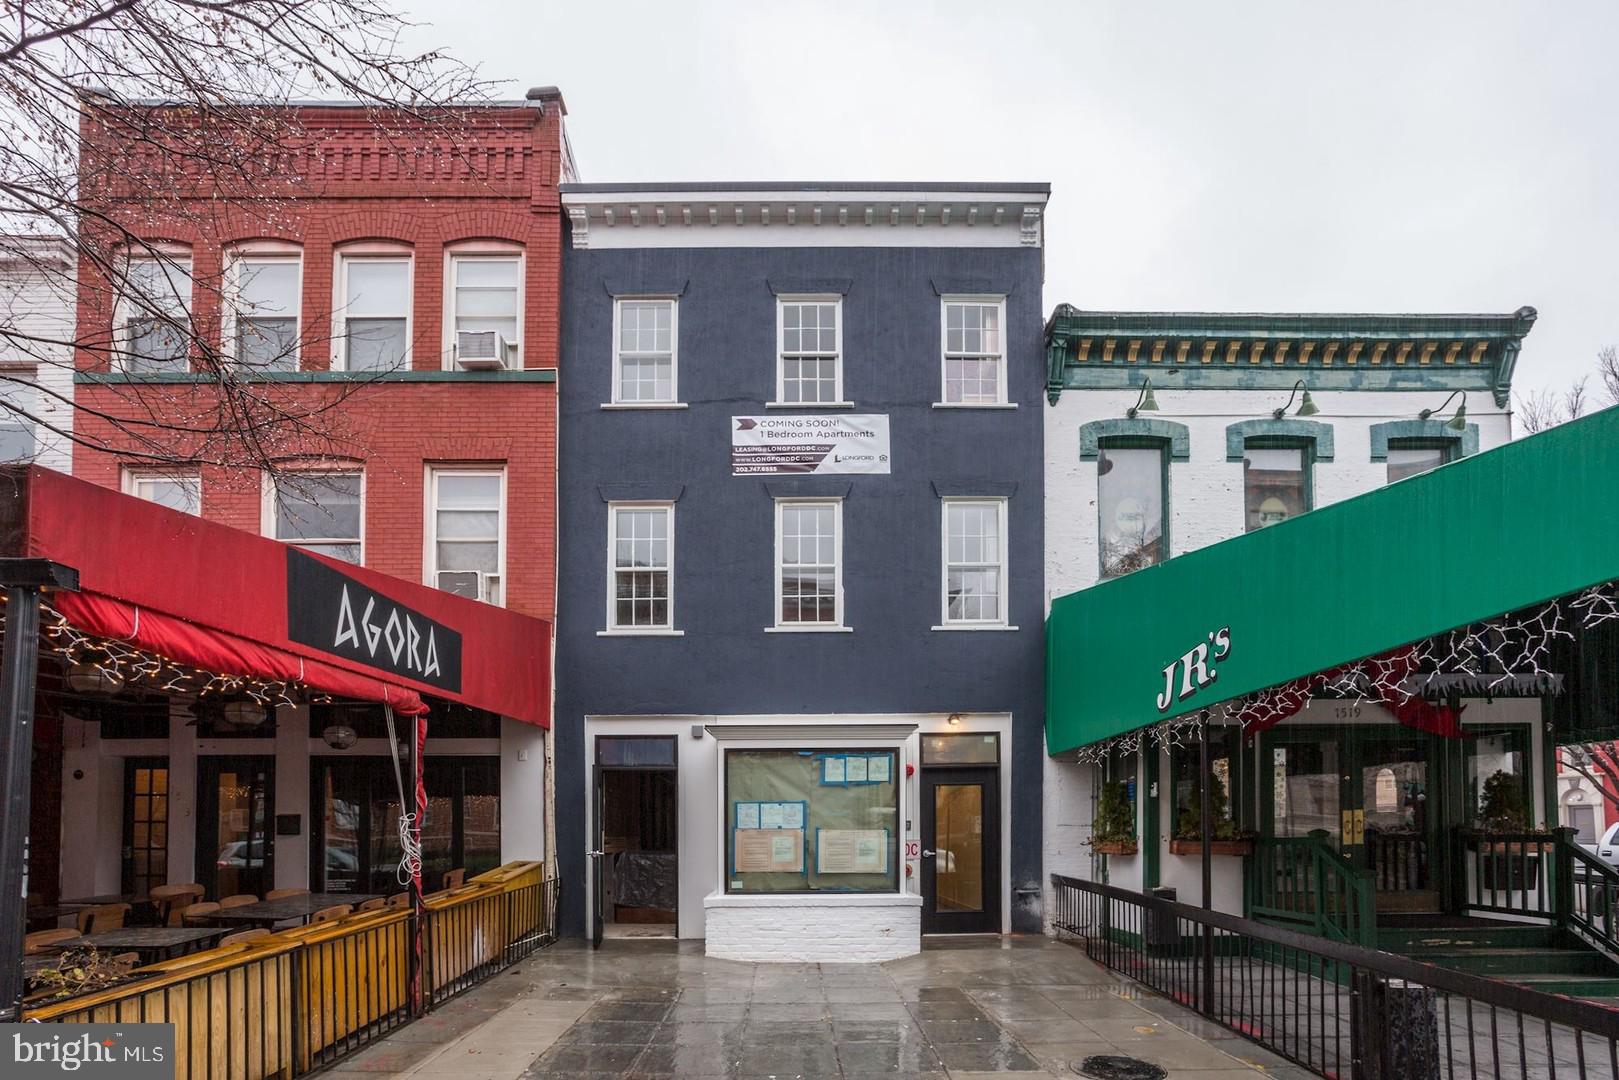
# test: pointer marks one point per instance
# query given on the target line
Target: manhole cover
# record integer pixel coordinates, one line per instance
(1117, 1067)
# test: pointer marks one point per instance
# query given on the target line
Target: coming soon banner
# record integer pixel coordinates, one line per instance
(776, 445)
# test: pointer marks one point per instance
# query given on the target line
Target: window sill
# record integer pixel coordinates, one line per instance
(644, 405)
(809, 404)
(970, 626)
(641, 633)
(970, 405)
(809, 629)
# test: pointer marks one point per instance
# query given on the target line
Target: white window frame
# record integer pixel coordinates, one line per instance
(490, 251)
(127, 308)
(1003, 622)
(267, 512)
(379, 252)
(838, 624)
(615, 401)
(133, 478)
(261, 253)
(613, 628)
(986, 300)
(430, 521)
(781, 402)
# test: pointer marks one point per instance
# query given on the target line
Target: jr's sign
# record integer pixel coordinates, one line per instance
(339, 615)
(1196, 668)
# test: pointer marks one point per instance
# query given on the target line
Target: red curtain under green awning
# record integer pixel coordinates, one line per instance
(1520, 524)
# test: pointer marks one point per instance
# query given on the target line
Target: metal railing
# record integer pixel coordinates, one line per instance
(1506, 873)
(1337, 1009)
(1302, 883)
(302, 1000)
(1398, 862)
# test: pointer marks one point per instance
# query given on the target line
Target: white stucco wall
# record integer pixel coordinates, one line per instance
(37, 328)
(1205, 506)
(814, 929)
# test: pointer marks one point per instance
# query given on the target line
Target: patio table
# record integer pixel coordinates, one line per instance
(286, 909)
(153, 943)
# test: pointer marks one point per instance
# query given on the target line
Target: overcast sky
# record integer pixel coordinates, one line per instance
(1203, 155)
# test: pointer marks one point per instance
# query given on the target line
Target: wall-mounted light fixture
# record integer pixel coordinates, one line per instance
(1455, 423)
(954, 719)
(1306, 404)
(1145, 403)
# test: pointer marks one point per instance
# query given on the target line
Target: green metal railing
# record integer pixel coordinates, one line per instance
(1303, 884)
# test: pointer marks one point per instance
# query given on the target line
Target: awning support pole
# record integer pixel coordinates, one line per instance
(1205, 786)
(23, 580)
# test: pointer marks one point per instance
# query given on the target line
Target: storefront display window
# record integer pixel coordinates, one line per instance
(811, 821)
(1275, 484)
(1224, 760)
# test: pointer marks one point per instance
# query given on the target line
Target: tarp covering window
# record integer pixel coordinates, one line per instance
(1492, 533)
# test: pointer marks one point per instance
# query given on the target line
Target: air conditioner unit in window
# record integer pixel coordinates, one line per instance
(482, 350)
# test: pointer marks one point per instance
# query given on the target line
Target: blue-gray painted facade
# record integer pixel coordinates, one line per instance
(723, 583)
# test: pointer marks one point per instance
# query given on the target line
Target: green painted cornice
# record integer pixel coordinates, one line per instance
(1312, 431)
(1225, 350)
(1430, 431)
(1175, 435)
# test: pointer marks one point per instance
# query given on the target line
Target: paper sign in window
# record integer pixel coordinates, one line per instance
(877, 768)
(764, 851)
(832, 770)
(747, 815)
(851, 851)
(856, 771)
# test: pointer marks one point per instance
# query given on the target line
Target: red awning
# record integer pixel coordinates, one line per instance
(218, 598)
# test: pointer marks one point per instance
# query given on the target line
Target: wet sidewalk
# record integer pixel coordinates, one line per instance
(980, 1007)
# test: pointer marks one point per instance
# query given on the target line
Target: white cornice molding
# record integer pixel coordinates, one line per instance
(805, 218)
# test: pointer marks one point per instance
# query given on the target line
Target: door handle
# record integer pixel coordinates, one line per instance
(594, 854)
(928, 854)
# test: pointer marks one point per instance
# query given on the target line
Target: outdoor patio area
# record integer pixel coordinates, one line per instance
(962, 1008)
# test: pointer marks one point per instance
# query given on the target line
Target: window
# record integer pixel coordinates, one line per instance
(1275, 484)
(467, 555)
(644, 352)
(973, 352)
(320, 512)
(1408, 457)
(267, 304)
(1131, 493)
(641, 556)
(811, 371)
(814, 820)
(1225, 760)
(19, 404)
(155, 313)
(1500, 793)
(180, 492)
(485, 292)
(375, 304)
(809, 572)
(975, 562)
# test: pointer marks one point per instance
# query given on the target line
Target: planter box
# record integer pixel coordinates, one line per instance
(1114, 847)
(1219, 847)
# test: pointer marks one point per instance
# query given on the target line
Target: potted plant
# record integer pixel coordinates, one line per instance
(1188, 839)
(1114, 830)
(1512, 864)
(79, 971)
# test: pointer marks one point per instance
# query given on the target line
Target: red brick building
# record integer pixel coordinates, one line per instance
(381, 309)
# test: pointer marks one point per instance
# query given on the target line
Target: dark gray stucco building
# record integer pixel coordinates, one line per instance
(800, 637)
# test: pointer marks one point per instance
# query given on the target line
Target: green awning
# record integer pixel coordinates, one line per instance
(1492, 533)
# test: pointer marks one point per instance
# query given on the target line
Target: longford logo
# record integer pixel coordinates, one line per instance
(129, 1051)
(343, 616)
(1196, 668)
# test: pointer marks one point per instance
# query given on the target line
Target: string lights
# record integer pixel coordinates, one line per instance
(119, 664)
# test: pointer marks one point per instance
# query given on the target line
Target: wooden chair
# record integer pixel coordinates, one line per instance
(197, 914)
(238, 900)
(373, 904)
(106, 917)
(41, 940)
(277, 894)
(243, 936)
(170, 900)
(133, 959)
(453, 879)
(336, 911)
(398, 899)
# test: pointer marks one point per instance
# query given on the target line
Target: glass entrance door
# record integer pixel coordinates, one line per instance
(235, 819)
(961, 851)
(146, 825)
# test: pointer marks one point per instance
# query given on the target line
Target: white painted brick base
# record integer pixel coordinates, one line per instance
(813, 929)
